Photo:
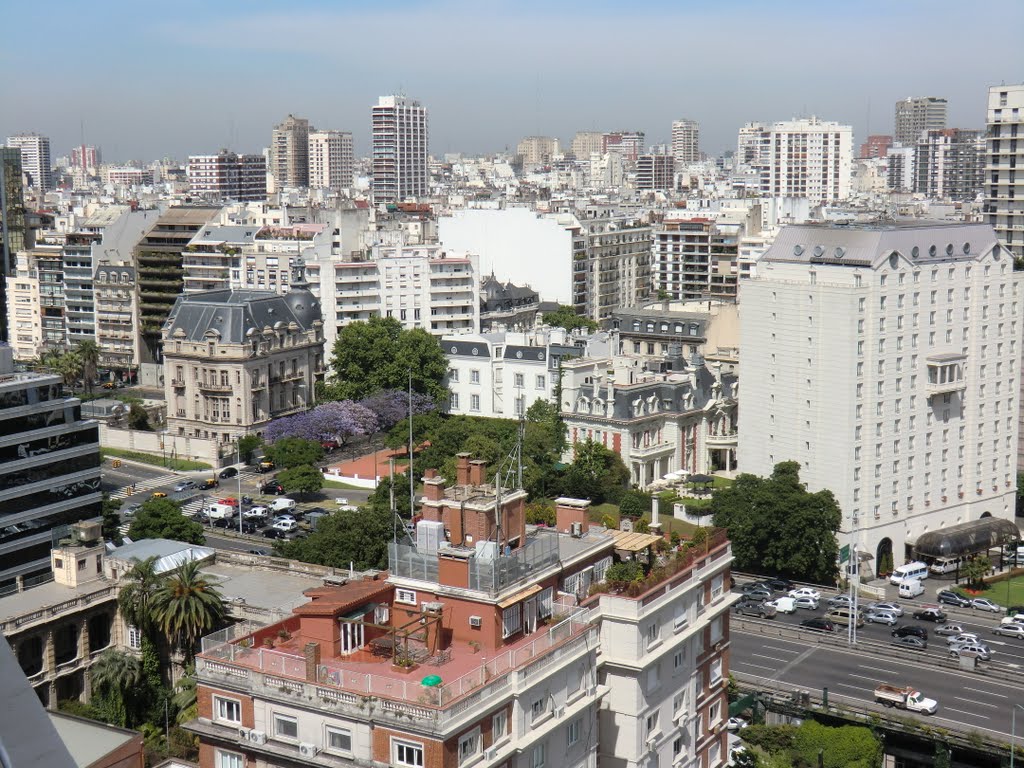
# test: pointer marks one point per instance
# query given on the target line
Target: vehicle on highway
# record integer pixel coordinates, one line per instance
(949, 629)
(129, 512)
(286, 526)
(915, 570)
(757, 592)
(755, 608)
(963, 637)
(818, 624)
(208, 483)
(843, 616)
(783, 604)
(1010, 630)
(256, 512)
(807, 603)
(895, 608)
(228, 472)
(910, 629)
(905, 698)
(930, 614)
(1013, 618)
(881, 617)
(948, 597)
(910, 588)
(805, 592)
(978, 650)
(984, 604)
(158, 495)
(839, 601)
(912, 642)
(184, 485)
(263, 552)
(273, 487)
(779, 584)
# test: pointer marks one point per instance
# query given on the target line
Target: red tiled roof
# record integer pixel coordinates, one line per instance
(332, 601)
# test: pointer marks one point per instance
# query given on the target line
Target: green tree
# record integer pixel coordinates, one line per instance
(596, 473)
(634, 503)
(67, 365)
(849, 746)
(566, 317)
(187, 606)
(975, 570)
(88, 352)
(111, 511)
(185, 700)
(777, 526)
(302, 480)
(247, 446)
(137, 596)
(541, 513)
(115, 677)
(380, 354)
(162, 519)
(291, 452)
(138, 418)
(380, 499)
(346, 537)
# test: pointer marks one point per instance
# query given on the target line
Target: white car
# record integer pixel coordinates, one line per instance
(962, 638)
(807, 603)
(894, 608)
(984, 604)
(783, 604)
(285, 525)
(1017, 618)
(1010, 630)
(736, 724)
(806, 592)
(256, 512)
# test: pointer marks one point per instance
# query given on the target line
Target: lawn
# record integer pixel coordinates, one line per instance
(997, 591)
(669, 523)
(180, 465)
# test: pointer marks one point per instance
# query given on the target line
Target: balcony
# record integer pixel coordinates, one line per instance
(210, 386)
(945, 373)
(657, 449)
(722, 441)
(178, 383)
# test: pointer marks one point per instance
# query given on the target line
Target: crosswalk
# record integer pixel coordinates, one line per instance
(145, 485)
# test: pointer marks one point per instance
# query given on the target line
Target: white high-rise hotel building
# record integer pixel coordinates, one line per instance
(400, 145)
(330, 160)
(884, 358)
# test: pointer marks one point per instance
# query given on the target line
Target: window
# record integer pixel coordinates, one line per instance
(652, 725)
(406, 596)
(714, 714)
(678, 703)
(286, 727)
(541, 382)
(573, 731)
(469, 746)
(453, 401)
(453, 375)
(538, 708)
(538, 756)
(408, 754)
(510, 620)
(716, 671)
(227, 710)
(518, 380)
(339, 739)
(230, 760)
(474, 377)
(499, 725)
(474, 402)
(544, 603)
(134, 638)
(681, 617)
(653, 633)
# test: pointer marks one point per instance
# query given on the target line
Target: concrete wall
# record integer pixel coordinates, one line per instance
(156, 443)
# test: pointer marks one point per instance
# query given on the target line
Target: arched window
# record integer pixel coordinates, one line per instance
(103, 277)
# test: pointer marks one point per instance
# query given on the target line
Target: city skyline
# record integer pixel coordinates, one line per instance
(722, 68)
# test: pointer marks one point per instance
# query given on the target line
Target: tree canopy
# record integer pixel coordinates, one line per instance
(303, 479)
(346, 537)
(380, 355)
(566, 317)
(162, 519)
(777, 526)
(596, 473)
(289, 452)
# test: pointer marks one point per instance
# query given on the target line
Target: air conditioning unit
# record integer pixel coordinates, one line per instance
(576, 529)
(592, 690)
(243, 734)
(308, 750)
(490, 754)
(475, 621)
(257, 737)
(559, 711)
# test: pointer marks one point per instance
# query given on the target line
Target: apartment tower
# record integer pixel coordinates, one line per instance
(1004, 165)
(685, 142)
(913, 115)
(400, 146)
(289, 153)
(330, 160)
(35, 159)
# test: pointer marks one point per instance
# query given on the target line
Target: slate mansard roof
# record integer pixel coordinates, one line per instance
(229, 315)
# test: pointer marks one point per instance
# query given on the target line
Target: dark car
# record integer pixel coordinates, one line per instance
(315, 511)
(779, 584)
(231, 524)
(818, 624)
(908, 630)
(228, 472)
(272, 533)
(949, 597)
(754, 608)
(273, 487)
(208, 483)
(930, 614)
(912, 642)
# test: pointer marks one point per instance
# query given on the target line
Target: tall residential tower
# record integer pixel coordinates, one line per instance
(1004, 168)
(35, 159)
(400, 146)
(913, 115)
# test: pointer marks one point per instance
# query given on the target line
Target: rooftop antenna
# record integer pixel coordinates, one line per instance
(412, 495)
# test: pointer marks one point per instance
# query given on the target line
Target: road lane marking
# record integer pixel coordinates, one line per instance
(755, 666)
(978, 703)
(781, 650)
(855, 687)
(773, 658)
(863, 677)
(962, 712)
(878, 669)
(987, 693)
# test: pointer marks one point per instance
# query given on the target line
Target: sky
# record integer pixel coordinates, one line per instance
(148, 80)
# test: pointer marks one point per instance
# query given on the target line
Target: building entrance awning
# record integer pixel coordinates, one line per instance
(968, 538)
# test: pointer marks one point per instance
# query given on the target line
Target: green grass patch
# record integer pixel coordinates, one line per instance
(598, 513)
(1006, 592)
(179, 465)
(722, 482)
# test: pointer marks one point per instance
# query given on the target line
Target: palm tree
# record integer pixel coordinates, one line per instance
(88, 352)
(185, 696)
(116, 676)
(187, 606)
(137, 599)
(69, 366)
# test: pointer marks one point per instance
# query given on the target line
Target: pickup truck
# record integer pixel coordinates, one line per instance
(905, 698)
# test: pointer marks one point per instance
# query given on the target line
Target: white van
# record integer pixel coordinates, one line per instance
(914, 570)
(282, 504)
(944, 565)
(911, 588)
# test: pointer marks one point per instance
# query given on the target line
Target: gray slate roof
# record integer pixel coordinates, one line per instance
(229, 315)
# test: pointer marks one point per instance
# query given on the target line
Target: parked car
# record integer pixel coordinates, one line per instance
(1010, 630)
(755, 608)
(256, 512)
(910, 629)
(736, 724)
(881, 617)
(265, 466)
(984, 604)
(272, 533)
(818, 624)
(948, 597)
(228, 472)
(949, 629)
(912, 642)
(330, 445)
(231, 501)
(805, 592)
(273, 487)
(894, 608)
(285, 516)
(807, 603)
(930, 614)
(184, 485)
(285, 526)
(229, 523)
(978, 650)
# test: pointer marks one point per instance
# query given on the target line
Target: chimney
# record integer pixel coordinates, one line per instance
(433, 488)
(477, 472)
(430, 473)
(569, 511)
(312, 653)
(462, 469)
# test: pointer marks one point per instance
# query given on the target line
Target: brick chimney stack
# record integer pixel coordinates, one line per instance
(477, 472)
(569, 511)
(462, 469)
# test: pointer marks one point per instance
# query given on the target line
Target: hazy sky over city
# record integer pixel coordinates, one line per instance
(149, 80)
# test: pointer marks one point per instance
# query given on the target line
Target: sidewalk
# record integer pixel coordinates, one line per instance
(369, 467)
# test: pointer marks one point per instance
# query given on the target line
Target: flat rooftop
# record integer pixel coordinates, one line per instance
(44, 596)
(260, 587)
